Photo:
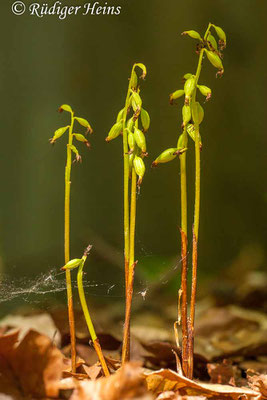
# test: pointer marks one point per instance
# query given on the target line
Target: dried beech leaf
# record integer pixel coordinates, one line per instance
(167, 380)
(258, 383)
(224, 373)
(126, 383)
(93, 372)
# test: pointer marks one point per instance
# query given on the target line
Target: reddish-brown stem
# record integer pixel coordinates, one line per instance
(184, 304)
(101, 357)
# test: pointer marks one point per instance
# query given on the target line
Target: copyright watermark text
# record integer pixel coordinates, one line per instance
(62, 11)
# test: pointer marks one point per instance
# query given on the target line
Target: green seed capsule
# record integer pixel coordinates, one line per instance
(84, 123)
(115, 131)
(140, 168)
(212, 42)
(134, 80)
(58, 133)
(192, 34)
(145, 119)
(75, 151)
(165, 156)
(192, 134)
(186, 112)
(180, 143)
(76, 262)
(221, 34)
(81, 138)
(214, 60)
(205, 91)
(131, 141)
(131, 158)
(120, 115)
(136, 101)
(189, 87)
(65, 107)
(130, 124)
(140, 139)
(188, 76)
(197, 113)
(175, 95)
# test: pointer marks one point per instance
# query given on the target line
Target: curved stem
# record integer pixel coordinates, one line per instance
(67, 247)
(89, 320)
(196, 219)
(126, 335)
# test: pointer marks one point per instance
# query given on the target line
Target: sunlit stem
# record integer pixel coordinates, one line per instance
(67, 246)
(88, 318)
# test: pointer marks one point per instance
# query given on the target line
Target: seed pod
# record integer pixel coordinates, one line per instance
(115, 131)
(131, 158)
(145, 119)
(165, 156)
(214, 60)
(140, 139)
(131, 141)
(75, 151)
(192, 134)
(84, 123)
(180, 143)
(205, 91)
(221, 34)
(143, 68)
(186, 112)
(130, 124)
(175, 95)
(140, 168)
(134, 81)
(197, 113)
(189, 87)
(120, 115)
(76, 262)
(212, 42)
(136, 101)
(65, 107)
(188, 76)
(192, 34)
(81, 138)
(58, 133)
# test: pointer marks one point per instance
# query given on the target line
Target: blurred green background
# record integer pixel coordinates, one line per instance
(86, 61)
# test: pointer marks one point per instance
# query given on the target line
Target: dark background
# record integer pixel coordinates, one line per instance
(86, 62)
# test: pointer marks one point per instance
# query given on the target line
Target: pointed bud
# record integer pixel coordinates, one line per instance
(72, 264)
(221, 34)
(188, 76)
(81, 138)
(136, 101)
(193, 34)
(75, 151)
(214, 60)
(131, 141)
(205, 91)
(212, 43)
(115, 131)
(186, 112)
(175, 95)
(134, 81)
(165, 156)
(84, 123)
(120, 115)
(145, 119)
(143, 68)
(197, 113)
(140, 139)
(130, 124)
(65, 107)
(58, 133)
(140, 168)
(189, 87)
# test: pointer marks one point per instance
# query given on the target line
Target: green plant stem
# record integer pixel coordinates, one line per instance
(196, 219)
(89, 320)
(67, 247)
(126, 342)
(184, 255)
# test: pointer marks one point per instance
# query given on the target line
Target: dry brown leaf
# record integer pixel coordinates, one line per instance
(93, 372)
(38, 365)
(224, 373)
(127, 383)
(167, 380)
(258, 382)
(176, 396)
